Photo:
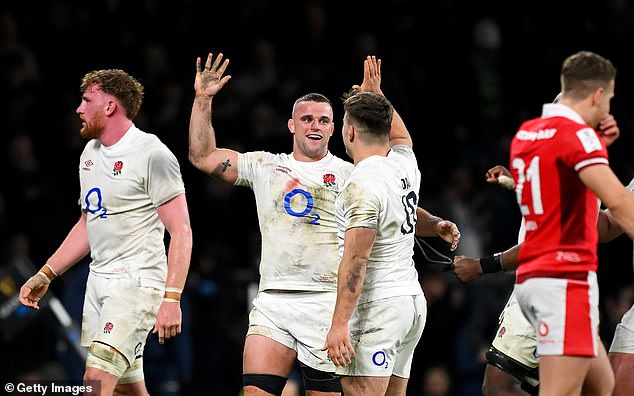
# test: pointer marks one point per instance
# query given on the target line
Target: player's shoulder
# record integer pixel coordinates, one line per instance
(342, 164)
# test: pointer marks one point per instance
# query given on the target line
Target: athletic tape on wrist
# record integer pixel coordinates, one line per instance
(492, 263)
(42, 274)
(172, 296)
(52, 270)
(48, 272)
(172, 300)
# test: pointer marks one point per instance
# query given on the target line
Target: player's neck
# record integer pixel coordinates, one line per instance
(115, 131)
(370, 151)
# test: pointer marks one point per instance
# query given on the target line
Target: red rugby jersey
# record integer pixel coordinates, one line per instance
(559, 211)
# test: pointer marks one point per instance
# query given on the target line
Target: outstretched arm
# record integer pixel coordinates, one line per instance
(429, 225)
(468, 269)
(203, 153)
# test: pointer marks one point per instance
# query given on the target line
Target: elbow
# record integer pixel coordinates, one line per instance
(194, 159)
(199, 162)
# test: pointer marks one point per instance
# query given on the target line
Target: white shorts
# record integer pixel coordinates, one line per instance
(564, 313)
(623, 340)
(384, 334)
(119, 313)
(516, 336)
(298, 320)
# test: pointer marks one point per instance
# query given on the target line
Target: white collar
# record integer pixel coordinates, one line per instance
(559, 110)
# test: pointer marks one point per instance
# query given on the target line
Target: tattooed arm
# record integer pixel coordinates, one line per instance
(203, 153)
(358, 242)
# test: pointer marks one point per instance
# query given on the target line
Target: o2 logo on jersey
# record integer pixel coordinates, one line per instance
(93, 202)
(310, 202)
(379, 359)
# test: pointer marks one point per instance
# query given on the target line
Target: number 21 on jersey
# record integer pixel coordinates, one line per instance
(529, 175)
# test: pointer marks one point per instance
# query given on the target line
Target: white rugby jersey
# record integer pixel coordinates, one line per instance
(295, 202)
(121, 187)
(382, 193)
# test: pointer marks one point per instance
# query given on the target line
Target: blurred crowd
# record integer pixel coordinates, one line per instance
(462, 74)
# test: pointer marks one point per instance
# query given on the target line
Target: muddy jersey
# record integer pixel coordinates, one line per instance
(121, 188)
(382, 193)
(560, 212)
(295, 202)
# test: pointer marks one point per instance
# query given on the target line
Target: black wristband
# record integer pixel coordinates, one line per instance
(492, 263)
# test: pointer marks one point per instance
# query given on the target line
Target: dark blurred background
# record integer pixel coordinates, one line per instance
(462, 74)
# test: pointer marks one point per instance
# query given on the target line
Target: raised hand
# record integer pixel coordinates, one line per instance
(371, 76)
(210, 80)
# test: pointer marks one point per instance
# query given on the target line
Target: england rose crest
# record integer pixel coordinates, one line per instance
(118, 166)
(329, 180)
(107, 328)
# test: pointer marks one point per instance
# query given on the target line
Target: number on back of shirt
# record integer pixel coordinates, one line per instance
(409, 205)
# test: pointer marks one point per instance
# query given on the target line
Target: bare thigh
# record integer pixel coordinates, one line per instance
(397, 386)
(562, 375)
(263, 355)
(365, 386)
(108, 385)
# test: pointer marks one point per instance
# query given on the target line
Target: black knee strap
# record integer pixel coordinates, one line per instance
(267, 382)
(321, 381)
(512, 366)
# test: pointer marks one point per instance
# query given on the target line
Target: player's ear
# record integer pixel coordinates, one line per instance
(351, 133)
(111, 105)
(291, 125)
(597, 95)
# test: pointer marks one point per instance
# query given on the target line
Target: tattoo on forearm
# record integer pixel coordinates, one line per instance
(225, 165)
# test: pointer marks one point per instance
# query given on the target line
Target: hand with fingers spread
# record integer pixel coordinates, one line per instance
(210, 79)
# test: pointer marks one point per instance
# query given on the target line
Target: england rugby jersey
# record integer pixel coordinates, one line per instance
(559, 211)
(121, 188)
(295, 201)
(382, 193)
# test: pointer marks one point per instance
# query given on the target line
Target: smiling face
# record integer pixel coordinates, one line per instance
(312, 126)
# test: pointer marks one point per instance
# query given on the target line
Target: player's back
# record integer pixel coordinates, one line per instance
(382, 193)
(559, 210)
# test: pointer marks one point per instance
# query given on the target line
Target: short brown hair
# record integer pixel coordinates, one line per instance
(584, 72)
(369, 112)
